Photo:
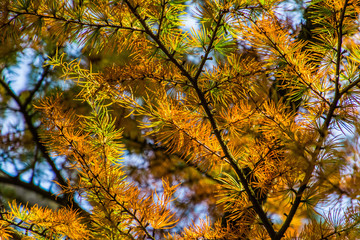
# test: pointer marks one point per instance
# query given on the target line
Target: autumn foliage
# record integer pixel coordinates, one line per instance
(266, 111)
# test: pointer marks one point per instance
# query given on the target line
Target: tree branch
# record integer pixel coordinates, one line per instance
(163, 6)
(37, 86)
(209, 47)
(96, 25)
(348, 87)
(339, 48)
(285, 57)
(33, 130)
(204, 103)
(95, 177)
(314, 157)
(38, 190)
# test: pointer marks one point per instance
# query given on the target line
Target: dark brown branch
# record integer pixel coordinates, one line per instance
(340, 231)
(339, 31)
(157, 40)
(163, 6)
(323, 134)
(348, 87)
(229, 80)
(23, 226)
(36, 189)
(34, 131)
(37, 86)
(96, 25)
(284, 56)
(209, 47)
(240, 172)
(94, 177)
